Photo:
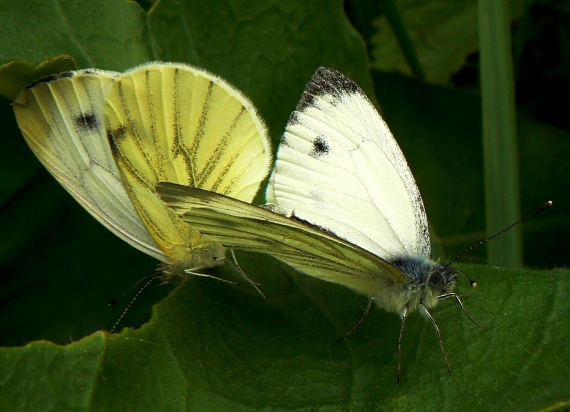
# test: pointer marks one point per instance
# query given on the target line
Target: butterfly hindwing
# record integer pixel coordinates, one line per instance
(176, 123)
(62, 120)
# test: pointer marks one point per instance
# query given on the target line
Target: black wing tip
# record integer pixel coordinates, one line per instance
(327, 81)
(51, 78)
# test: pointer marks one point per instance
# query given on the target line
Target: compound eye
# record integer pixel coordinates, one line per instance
(435, 280)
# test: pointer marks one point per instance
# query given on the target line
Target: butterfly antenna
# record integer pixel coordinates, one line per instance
(152, 277)
(113, 302)
(537, 211)
(472, 281)
(458, 299)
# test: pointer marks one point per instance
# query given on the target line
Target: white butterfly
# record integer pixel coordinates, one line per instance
(166, 122)
(356, 215)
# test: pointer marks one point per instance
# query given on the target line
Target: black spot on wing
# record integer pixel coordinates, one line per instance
(327, 82)
(51, 78)
(119, 132)
(87, 121)
(320, 147)
(114, 135)
(111, 141)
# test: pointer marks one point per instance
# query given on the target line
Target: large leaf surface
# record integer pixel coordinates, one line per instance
(214, 346)
(442, 33)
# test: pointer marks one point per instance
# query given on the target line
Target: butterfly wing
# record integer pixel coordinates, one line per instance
(176, 123)
(242, 226)
(338, 167)
(62, 120)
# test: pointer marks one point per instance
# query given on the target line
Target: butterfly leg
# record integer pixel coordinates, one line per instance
(454, 295)
(364, 316)
(234, 263)
(402, 328)
(205, 275)
(426, 313)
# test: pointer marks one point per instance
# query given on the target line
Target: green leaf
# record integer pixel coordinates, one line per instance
(443, 33)
(17, 74)
(37, 377)
(108, 34)
(214, 346)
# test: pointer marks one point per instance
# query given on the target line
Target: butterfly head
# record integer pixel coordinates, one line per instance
(210, 255)
(427, 279)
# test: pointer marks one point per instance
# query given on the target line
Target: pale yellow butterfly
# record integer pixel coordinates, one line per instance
(64, 121)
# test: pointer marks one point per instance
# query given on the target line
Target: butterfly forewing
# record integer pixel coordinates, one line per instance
(308, 249)
(339, 167)
(62, 120)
